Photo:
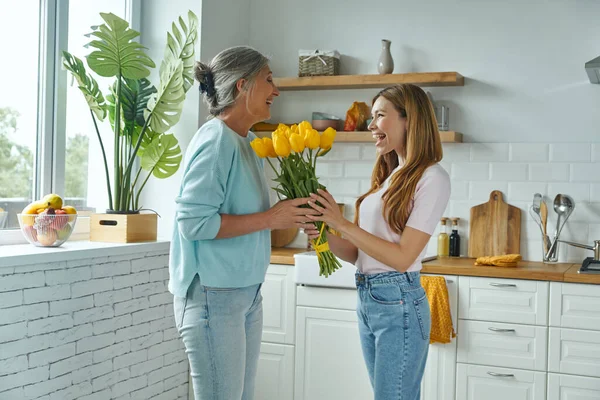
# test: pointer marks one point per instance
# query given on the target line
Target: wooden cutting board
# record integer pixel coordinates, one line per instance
(494, 228)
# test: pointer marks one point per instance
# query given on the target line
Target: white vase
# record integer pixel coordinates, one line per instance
(386, 63)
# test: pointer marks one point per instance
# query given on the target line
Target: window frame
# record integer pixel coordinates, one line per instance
(48, 166)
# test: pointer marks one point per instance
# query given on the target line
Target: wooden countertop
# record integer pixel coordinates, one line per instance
(530, 270)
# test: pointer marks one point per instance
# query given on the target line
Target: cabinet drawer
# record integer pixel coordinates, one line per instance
(566, 387)
(574, 305)
(503, 300)
(502, 345)
(476, 382)
(574, 352)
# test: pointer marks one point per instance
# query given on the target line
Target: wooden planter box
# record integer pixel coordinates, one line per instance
(123, 228)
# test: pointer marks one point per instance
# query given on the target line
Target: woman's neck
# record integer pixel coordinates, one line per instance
(238, 120)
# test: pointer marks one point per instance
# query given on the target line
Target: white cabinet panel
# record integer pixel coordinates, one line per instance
(275, 376)
(503, 300)
(329, 361)
(574, 352)
(503, 345)
(478, 382)
(575, 305)
(568, 387)
(279, 305)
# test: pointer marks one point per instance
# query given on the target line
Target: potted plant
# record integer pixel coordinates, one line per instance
(140, 115)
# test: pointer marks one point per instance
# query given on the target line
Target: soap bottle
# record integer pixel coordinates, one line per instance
(443, 244)
(454, 239)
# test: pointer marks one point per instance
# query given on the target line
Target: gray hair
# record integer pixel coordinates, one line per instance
(219, 78)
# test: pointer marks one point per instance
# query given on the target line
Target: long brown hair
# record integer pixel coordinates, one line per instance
(421, 149)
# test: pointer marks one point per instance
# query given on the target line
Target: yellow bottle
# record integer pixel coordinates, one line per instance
(443, 248)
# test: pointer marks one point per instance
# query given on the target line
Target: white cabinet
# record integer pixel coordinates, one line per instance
(439, 378)
(569, 387)
(574, 351)
(329, 361)
(279, 304)
(275, 377)
(475, 382)
(574, 305)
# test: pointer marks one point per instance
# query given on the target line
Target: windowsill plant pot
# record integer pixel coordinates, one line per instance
(123, 227)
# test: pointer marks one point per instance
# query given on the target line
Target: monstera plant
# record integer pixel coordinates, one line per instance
(139, 113)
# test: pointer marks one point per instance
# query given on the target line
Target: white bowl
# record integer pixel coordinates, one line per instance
(46, 230)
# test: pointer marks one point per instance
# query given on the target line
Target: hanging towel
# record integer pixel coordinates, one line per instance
(507, 260)
(442, 330)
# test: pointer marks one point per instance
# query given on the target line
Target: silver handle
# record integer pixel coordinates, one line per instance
(503, 284)
(501, 375)
(500, 330)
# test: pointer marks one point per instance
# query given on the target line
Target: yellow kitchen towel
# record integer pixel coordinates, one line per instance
(442, 330)
(507, 260)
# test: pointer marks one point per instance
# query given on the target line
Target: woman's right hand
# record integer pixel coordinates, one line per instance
(289, 214)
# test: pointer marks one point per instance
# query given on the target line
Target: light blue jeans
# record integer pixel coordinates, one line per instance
(221, 330)
(394, 322)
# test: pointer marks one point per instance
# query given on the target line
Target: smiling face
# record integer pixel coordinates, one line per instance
(388, 127)
(260, 94)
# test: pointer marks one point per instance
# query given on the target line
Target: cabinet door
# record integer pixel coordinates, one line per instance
(279, 304)
(476, 382)
(575, 305)
(275, 376)
(569, 387)
(439, 379)
(329, 361)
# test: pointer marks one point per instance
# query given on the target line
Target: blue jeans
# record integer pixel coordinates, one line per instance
(394, 322)
(221, 330)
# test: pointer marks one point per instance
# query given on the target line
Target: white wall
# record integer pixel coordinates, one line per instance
(525, 82)
(223, 24)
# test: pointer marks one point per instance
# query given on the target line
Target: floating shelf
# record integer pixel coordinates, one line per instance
(367, 137)
(369, 81)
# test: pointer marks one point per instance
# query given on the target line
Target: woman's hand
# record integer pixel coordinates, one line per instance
(289, 214)
(329, 210)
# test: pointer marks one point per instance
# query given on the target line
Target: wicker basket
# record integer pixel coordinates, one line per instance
(318, 63)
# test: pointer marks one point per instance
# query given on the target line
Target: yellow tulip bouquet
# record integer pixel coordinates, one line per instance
(297, 149)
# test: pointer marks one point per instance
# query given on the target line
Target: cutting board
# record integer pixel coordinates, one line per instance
(494, 228)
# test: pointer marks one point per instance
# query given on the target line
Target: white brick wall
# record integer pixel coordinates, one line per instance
(517, 169)
(93, 329)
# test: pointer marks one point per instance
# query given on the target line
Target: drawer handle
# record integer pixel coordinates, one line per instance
(500, 330)
(503, 284)
(501, 375)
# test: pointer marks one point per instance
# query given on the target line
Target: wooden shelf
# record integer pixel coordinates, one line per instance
(369, 81)
(367, 137)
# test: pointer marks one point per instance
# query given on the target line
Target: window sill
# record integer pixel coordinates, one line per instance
(24, 254)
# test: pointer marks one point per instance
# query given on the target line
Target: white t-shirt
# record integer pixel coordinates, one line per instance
(428, 205)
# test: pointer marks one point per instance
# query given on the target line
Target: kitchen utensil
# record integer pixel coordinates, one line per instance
(544, 218)
(563, 206)
(495, 228)
(590, 264)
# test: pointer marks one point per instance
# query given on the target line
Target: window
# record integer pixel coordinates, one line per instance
(47, 140)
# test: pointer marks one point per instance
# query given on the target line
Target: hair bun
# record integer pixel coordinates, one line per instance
(204, 76)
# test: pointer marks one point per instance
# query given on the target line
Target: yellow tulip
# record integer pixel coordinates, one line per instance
(303, 128)
(259, 147)
(281, 145)
(297, 142)
(268, 143)
(312, 139)
(327, 138)
(294, 128)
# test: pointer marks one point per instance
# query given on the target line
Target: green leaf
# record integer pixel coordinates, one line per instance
(117, 54)
(162, 156)
(149, 136)
(164, 108)
(87, 85)
(323, 152)
(134, 98)
(181, 45)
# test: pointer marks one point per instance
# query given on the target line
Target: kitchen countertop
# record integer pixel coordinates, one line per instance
(530, 270)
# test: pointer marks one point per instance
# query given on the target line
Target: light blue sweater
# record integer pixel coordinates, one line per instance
(222, 175)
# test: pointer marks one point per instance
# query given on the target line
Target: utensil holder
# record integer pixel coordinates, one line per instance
(547, 256)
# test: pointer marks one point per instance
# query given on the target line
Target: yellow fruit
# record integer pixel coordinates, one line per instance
(69, 209)
(53, 200)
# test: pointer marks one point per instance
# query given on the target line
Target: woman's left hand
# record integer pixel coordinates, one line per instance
(330, 212)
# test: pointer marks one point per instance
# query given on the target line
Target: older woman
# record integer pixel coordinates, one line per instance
(221, 242)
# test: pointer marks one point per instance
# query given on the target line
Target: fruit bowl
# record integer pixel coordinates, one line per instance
(47, 230)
